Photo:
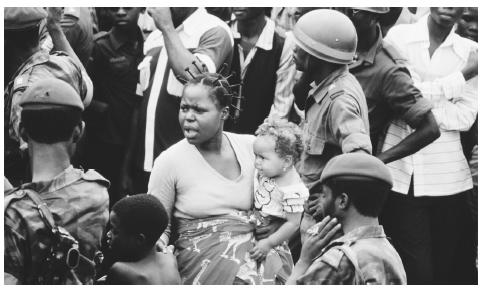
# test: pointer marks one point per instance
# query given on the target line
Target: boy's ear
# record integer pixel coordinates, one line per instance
(225, 113)
(23, 132)
(78, 132)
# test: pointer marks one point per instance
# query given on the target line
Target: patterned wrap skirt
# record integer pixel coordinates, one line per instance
(215, 250)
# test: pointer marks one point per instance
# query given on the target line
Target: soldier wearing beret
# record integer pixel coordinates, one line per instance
(25, 63)
(353, 188)
(78, 201)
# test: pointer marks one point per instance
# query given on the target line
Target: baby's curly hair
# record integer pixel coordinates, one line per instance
(287, 136)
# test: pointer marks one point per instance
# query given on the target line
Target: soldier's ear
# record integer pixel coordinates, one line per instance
(343, 201)
(78, 132)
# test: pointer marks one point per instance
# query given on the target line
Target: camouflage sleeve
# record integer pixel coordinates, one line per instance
(320, 272)
(14, 252)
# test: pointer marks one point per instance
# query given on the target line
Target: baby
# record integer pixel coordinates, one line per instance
(136, 224)
(279, 191)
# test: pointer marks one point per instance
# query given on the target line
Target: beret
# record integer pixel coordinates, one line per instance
(359, 165)
(18, 18)
(50, 92)
(377, 10)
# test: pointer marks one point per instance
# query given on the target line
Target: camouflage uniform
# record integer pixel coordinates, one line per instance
(362, 256)
(79, 203)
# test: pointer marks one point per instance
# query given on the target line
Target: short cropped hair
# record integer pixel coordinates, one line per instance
(287, 136)
(368, 196)
(51, 125)
(142, 213)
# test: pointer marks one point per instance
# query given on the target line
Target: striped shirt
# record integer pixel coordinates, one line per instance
(439, 169)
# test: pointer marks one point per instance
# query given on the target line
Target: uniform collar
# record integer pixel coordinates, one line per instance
(372, 231)
(265, 39)
(65, 178)
(318, 92)
(369, 56)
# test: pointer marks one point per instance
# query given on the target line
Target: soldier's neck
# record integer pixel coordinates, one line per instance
(367, 39)
(354, 220)
(48, 160)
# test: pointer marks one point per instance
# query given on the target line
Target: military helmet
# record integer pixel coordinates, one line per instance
(376, 10)
(328, 35)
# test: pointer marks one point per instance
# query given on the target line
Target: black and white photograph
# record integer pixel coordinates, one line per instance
(240, 145)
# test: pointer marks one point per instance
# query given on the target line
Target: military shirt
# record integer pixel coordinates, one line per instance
(113, 69)
(78, 202)
(362, 256)
(389, 90)
(336, 122)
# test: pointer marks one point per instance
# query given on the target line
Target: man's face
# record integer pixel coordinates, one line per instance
(247, 13)
(362, 20)
(446, 16)
(468, 24)
(124, 16)
(301, 59)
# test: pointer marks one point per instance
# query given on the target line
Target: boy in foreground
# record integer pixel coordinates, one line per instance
(136, 224)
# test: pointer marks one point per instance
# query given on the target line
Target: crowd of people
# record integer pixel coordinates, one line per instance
(244, 145)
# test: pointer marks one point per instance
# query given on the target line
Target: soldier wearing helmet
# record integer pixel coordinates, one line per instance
(336, 118)
(78, 201)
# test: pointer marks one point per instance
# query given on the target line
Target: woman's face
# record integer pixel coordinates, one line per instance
(199, 115)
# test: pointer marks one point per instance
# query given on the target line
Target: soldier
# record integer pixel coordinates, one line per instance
(388, 87)
(353, 189)
(25, 63)
(336, 110)
(78, 201)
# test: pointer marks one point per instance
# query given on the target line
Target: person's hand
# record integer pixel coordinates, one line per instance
(54, 15)
(470, 69)
(313, 208)
(263, 231)
(126, 184)
(318, 237)
(261, 249)
(162, 17)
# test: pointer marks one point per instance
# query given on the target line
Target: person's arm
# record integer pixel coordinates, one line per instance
(61, 43)
(424, 134)
(348, 127)
(284, 233)
(162, 184)
(14, 253)
(126, 185)
(285, 75)
(459, 113)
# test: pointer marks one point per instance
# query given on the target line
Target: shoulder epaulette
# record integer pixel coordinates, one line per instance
(393, 53)
(93, 176)
(13, 195)
(332, 257)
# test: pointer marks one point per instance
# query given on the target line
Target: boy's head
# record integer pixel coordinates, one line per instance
(137, 222)
(51, 112)
(123, 17)
(356, 181)
(277, 147)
